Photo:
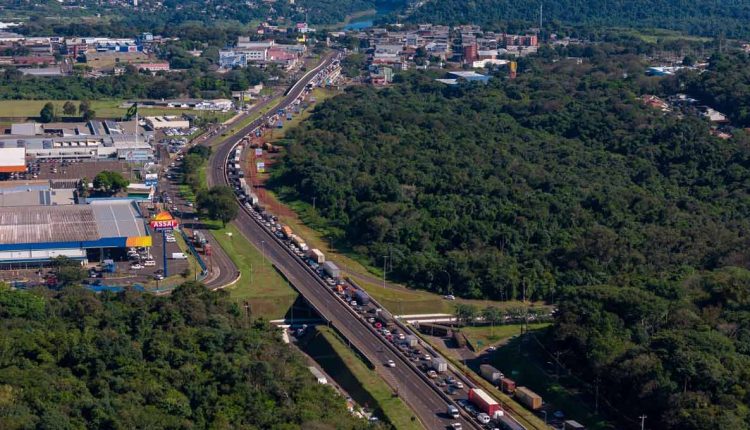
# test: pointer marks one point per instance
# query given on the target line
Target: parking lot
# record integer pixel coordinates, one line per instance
(69, 169)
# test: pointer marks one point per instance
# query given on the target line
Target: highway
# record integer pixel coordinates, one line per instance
(412, 385)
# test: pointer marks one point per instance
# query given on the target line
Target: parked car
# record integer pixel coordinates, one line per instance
(136, 266)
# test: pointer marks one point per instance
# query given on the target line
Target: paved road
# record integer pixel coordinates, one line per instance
(412, 385)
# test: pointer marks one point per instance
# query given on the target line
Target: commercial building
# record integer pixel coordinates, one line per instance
(91, 140)
(160, 122)
(35, 193)
(12, 160)
(154, 67)
(37, 234)
(470, 76)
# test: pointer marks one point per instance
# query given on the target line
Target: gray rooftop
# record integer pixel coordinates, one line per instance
(117, 219)
(70, 223)
(44, 224)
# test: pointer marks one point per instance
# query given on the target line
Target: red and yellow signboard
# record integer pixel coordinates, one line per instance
(163, 221)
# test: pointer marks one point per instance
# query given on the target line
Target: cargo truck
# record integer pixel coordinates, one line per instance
(331, 269)
(411, 341)
(317, 256)
(508, 385)
(287, 231)
(439, 365)
(485, 402)
(179, 256)
(362, 298)
(299, 242)
(529, 398)
(490, 373)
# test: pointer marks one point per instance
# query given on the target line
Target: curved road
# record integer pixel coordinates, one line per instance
(412, 385)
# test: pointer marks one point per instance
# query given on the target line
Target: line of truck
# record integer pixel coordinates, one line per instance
(524, 395)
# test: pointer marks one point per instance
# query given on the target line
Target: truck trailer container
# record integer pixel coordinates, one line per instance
(529, 398)
(299, 242)
(508, 385)
(179, 256)
(490, 373)
(362, 298)
(331, 269)
(485, 402)
(287, 231)
(411, 340)
(317, 256)
(439, 365)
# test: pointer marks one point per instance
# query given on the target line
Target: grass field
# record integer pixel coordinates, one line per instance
(268, 293)
(483, 336)
(364, 385)
(103, 109)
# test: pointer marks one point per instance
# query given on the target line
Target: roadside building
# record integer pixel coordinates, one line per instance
(161, 122)
(34, 235)
(12, 159)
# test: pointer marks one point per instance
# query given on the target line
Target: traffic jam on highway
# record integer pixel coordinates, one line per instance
(482, 410)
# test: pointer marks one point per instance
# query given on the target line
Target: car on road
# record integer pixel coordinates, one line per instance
(453, 412)
(149, 263)
(449, 297)
(136, 267)
(456, 426)
(390, 363)
(483, 418)
(158, 276)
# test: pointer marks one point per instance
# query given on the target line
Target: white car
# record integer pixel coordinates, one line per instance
(136, 267)
(483, 418)
(149, 263)
(390, 363)
(449, 297)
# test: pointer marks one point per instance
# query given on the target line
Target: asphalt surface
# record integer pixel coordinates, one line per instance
(412, 385)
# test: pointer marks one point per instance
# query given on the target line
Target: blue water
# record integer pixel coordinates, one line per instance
(368, 21)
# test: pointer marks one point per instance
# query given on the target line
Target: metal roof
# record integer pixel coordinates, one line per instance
(118, 219)
(70, 223)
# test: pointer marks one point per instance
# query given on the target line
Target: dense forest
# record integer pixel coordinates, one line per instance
(132, 84)
(154, 15)
(709, 18)
(193, 360)
(560, 177)
(724, 86)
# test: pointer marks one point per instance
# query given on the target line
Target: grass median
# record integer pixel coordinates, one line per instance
(361, 382)
(265, 289)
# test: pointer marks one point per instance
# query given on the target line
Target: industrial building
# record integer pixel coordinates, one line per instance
(36, 193)
(159, 122)
(12, 160)
(34, 235)
(90, 140)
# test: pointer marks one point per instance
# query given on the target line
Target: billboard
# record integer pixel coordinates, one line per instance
(163, 221)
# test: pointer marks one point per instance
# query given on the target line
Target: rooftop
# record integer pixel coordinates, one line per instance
(71, 223)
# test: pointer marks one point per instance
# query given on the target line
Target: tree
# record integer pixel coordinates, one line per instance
(67, 270)
(47, 114)
(110, 182)
(492, 315)
(219, 203)
(84, 106)
(465, 314)
(69, 108)
(89, 115)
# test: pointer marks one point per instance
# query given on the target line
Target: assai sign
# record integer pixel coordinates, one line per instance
(163, 221)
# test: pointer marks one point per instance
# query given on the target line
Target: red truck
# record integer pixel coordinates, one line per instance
(485, 402)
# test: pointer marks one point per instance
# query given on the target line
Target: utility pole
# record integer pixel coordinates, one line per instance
(385, 259)
(541, 14)
(643, 421)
